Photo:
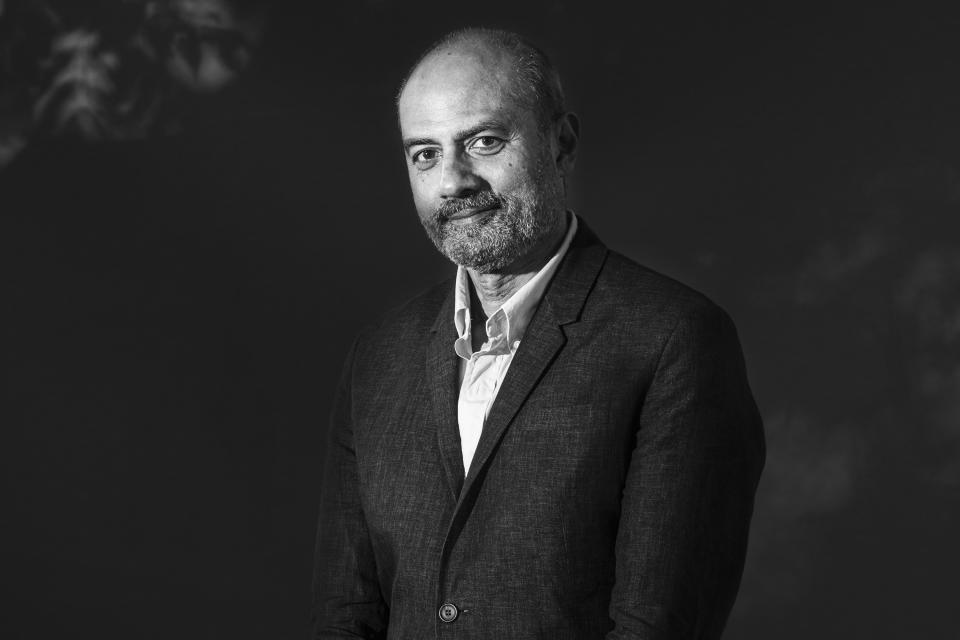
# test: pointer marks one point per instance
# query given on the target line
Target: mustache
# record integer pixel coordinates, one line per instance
(479, 200)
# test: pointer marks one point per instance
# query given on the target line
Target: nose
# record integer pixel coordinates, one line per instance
(457, 178)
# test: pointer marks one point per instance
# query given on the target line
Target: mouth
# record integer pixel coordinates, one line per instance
(468, 216)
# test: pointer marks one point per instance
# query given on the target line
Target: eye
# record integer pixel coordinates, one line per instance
(425, 158)
(486, 145)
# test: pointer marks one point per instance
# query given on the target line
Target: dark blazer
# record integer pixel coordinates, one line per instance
(611, 491)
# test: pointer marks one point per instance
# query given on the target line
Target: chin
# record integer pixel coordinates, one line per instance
(476, 260)
(483, 259)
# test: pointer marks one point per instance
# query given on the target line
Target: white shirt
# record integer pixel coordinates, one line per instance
(482, 371)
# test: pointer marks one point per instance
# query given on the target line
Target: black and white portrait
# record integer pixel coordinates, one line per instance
(510, 320)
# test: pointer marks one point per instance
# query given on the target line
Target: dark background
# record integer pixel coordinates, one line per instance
(174, 310)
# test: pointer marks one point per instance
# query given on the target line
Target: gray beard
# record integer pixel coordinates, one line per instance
(497, 241)
(494, 243)
(500, 240)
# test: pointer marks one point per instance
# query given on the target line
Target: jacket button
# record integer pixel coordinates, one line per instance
(448, 612)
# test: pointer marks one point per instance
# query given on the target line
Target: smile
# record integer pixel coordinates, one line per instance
(469, 216)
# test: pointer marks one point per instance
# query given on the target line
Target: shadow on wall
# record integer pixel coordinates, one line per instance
(865, 448)
(116, 70)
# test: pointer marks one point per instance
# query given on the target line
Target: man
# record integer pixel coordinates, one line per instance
(560, 443)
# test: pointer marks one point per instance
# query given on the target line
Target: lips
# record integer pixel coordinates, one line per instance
(470, 212)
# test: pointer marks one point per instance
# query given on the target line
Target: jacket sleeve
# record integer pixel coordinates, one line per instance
(688, 498)
(347, 602)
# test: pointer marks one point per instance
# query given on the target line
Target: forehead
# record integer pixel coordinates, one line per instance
(453, 89)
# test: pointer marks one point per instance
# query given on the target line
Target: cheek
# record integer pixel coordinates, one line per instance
(421, 182)
(516, 172)
(418, 186)
(516, 182)
(422, 199)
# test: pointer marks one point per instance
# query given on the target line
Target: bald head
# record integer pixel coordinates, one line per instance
(522, 71)
(487, 147)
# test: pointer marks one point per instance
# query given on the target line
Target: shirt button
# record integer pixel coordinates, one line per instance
(448, 612)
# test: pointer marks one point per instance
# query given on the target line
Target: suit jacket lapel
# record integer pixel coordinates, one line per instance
(544, 337)
(441, 379)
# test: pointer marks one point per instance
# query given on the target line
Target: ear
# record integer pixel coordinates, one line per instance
(567, 138)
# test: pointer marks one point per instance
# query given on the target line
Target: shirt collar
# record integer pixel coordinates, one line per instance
(506, 326)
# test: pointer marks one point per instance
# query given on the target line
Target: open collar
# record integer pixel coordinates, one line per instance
(562, 304)
(506, 326)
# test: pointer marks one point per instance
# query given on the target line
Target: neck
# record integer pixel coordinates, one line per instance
(493, 289)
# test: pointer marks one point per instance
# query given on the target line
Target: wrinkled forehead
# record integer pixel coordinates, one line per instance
(452, 87)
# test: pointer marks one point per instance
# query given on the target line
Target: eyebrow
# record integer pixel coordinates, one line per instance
(461, 135)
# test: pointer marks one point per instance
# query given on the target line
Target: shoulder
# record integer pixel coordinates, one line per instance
(637, 295)
(672, 326)
(407, 325)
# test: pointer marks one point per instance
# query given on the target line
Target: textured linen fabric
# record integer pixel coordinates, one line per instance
(611, 491)
(482, 371)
